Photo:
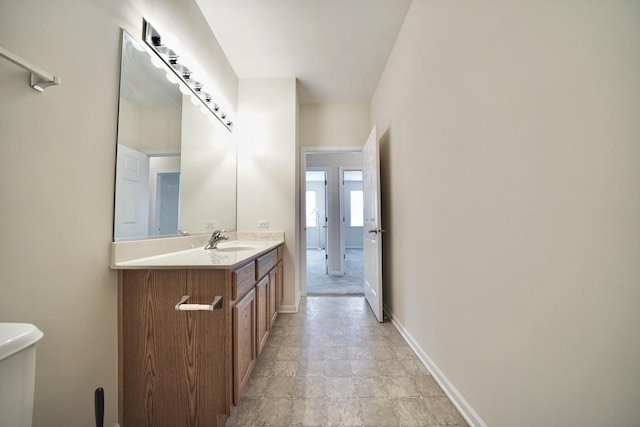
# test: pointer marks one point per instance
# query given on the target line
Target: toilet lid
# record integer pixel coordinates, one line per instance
(17, 336)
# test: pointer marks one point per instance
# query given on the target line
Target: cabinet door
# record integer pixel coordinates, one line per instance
(279, 284)
(273, 295)
(172, 362)
(244, 340)
(262, 313)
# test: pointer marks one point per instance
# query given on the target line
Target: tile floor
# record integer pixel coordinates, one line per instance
(333, 364)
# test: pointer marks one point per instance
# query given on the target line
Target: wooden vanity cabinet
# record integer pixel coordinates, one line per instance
(263, 315)
(273, 296)
(244, 341)
(262, 286)
(188, 368)
(280, 284)
(268, 267)
(172, 363)
(279, 278)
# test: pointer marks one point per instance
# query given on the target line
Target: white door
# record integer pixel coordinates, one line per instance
(316, 212)
(371, 230)
(132, 193)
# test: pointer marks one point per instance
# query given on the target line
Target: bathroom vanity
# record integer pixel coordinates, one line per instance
(191, 325)
(191, 322)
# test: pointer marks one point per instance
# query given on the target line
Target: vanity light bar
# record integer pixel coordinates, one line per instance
(153, 39)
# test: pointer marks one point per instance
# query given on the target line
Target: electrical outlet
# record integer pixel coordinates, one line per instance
(263, 223)
(210, 224)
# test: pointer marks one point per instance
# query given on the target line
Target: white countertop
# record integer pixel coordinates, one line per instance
(228, 255)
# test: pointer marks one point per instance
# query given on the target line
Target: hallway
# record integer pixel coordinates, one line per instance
(320, 283)
(332, 363)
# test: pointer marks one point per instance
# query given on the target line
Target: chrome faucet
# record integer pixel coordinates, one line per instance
(216, 237)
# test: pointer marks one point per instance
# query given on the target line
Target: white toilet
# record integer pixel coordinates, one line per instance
(17, 373)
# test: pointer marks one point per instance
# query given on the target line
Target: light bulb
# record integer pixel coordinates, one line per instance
(155, 61)
(185, 90)
(172, 78)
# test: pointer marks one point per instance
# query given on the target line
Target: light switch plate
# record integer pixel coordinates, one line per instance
(263, 223)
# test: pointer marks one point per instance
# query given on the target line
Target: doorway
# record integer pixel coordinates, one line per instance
(168, 203)
(352, 223)
(164, 194)
(316, 209)
(333, 229)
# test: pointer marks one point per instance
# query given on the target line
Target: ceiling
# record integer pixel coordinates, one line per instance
(336, 48)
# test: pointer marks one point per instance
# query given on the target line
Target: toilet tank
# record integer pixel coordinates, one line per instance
(17, 373)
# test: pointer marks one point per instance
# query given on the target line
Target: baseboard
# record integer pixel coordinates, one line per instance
(467, 412)
(288, 309)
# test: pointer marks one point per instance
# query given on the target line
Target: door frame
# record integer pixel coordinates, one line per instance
(343, 224)
(302, 249)
(326, 213)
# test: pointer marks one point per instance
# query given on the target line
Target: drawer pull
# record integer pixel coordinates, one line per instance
(216, 304)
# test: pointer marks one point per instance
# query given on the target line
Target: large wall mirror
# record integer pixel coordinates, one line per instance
(176, 162)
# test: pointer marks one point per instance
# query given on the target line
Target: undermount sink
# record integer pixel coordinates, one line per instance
(234, 248)
(238, 246)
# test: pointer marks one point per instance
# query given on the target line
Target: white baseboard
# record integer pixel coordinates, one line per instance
(288, 309)
(467, 412)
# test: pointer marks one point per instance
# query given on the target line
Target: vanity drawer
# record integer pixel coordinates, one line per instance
(244, 279)
(265, 263)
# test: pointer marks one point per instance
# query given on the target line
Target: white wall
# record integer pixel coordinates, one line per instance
(334, 124)
(158, 129)
(267, 167)
(515, 263)
(330, 127)
(149, 129)
(58, 162)
(208, 172)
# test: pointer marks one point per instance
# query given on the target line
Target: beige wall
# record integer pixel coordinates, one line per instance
(329, 128)
(267, 167)
(514, 264)
(208, 172)
(149, 129)
(58, 159)
(336, 125)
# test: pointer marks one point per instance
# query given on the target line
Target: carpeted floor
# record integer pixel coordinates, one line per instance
(318, 282)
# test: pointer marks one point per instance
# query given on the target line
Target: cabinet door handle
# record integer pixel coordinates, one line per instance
(216, 304)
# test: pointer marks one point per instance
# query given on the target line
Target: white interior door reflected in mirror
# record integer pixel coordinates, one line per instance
(373, 233)
(132, 192)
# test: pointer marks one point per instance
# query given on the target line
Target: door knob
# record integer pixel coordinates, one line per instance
(377, 230)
